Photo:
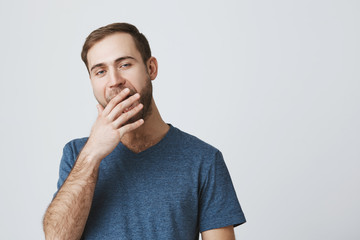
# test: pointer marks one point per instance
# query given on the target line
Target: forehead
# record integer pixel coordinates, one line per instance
(111, 48)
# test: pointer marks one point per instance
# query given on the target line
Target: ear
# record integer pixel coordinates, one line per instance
(152, 67)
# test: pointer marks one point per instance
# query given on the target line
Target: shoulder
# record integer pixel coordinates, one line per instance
(192, 146)
(74, 146)
(191, 141)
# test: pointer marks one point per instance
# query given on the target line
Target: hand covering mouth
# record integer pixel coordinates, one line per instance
(128, 108)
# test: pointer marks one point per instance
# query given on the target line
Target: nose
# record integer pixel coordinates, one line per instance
(116, 79)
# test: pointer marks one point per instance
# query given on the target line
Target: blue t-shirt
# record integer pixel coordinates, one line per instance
(172, 190)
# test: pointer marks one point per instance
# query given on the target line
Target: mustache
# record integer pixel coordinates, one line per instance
(111, 94)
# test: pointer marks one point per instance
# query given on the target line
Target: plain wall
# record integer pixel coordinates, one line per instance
(273, 84)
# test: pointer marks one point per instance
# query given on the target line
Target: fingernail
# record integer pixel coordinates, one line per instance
(126, 90)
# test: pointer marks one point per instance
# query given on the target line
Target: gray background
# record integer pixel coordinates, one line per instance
(273, 84)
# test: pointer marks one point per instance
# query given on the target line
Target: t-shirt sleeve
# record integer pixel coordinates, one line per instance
(66, 164)
(219, 206)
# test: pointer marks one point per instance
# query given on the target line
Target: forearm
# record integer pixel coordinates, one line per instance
(66, 216)
(224, 233)
(68, 212)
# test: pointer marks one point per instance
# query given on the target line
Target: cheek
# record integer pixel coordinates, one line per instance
(139, 79)
(98, 90)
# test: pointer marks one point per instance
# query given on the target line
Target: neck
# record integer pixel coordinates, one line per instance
(148, 134)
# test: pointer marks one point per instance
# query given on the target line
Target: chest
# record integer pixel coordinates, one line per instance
(155, 186)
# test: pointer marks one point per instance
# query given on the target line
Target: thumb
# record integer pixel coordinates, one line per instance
(100, 109)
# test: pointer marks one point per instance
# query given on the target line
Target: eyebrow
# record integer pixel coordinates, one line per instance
(116, 61)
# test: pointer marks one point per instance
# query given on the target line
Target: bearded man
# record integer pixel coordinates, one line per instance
(135, 176)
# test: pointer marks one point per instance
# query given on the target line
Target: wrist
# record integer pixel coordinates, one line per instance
(89, 156)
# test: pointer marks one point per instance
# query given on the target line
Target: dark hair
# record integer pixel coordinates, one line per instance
(140, 40)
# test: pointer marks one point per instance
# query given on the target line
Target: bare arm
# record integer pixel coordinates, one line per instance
(225, 233)
(67, 214)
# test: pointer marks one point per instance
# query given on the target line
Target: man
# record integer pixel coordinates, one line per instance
(137, 177)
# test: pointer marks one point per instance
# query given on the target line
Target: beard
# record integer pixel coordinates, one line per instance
(145, 99)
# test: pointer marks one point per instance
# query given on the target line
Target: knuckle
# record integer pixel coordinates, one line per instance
(121, 105)
(114, 125)
(127, 115)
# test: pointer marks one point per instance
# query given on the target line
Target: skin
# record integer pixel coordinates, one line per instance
(127, 113)
(225, 233)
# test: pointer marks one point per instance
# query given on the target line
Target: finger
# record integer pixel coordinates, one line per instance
(123, 118)
(116, 100)
(100, 109)
(120, 108)
(130, 127)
